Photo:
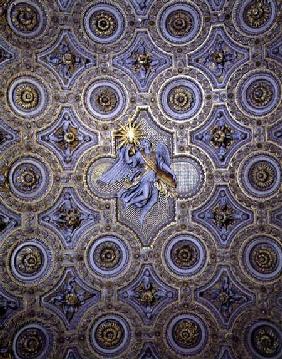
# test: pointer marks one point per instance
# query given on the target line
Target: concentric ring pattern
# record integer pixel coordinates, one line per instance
(140, 179)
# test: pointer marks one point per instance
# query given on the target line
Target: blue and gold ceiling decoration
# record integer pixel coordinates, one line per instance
(140, 179)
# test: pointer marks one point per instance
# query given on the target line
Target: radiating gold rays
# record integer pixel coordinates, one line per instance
(129, 134)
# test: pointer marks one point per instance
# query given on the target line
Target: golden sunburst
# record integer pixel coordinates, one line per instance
(129, 134)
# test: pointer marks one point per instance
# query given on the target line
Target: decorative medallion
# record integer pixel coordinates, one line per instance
(140, 179)
(181, 98)
(29, 178)
(70, 298)
(27, 97)
(26, 18)
(110, 335)
(259, 94)
(219, 56)
(108, 256)
(180, 23)
(222, 215)
(225, 296)
(142, 61)
(264, 340)
(68, 138)
(30, 261)
(255, 17)
(261, 176)
(187, 334)
(69, 217)
(221, 136)
(185, 255)
(67, 58)
(104, 23)
(105, 99)
(32, 341)
(262, 258)
(147, 294)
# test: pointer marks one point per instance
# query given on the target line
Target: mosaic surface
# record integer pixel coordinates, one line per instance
(85, 271)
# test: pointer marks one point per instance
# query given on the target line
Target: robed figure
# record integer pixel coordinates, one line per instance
(148, 172)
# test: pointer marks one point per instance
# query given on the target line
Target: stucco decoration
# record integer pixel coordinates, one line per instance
(140, 179)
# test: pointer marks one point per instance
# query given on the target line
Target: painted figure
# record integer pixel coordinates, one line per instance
(148, 172)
